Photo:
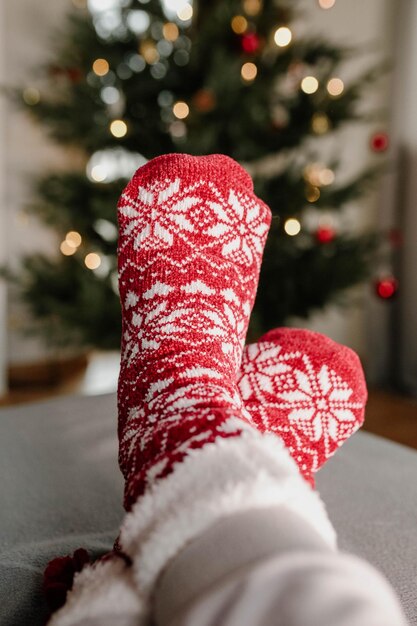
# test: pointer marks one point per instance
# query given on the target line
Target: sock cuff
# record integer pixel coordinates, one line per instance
(231, 475)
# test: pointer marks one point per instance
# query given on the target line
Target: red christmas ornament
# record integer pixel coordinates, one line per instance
(325, 234)
(386, 287)
(379, 142)
(250, 43)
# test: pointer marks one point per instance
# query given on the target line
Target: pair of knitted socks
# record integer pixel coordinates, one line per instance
(207, 427)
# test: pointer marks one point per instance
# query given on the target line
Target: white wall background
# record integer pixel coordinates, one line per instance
(3, 301)
(24, 150)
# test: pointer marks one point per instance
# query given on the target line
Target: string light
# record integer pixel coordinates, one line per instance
(185, 13)
(170, 31)
(282, 36)
(326, 4)
(73, 239)
(181, 110)
(312, 194)
(320, 123)
(292, 226)
(309, 84)
(92, 261)
(335, 87)
(98, 174)
(101, 67)
(326, 176)
(66, 249)
(252, 7)
(118, 128)
(249, 71)
(31, 96)
(149, 52)
(317, 175)
(239, 24)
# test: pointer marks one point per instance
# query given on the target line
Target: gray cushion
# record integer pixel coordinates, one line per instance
(61, 489)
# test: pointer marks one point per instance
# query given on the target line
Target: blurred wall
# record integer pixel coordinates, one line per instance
(25, 43)
(27, 26)
(3, 301)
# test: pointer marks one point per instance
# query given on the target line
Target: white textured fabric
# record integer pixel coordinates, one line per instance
(296, 589)
(231, 475)
(99, 591)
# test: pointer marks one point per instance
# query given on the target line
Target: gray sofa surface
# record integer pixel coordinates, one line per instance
(61, 489)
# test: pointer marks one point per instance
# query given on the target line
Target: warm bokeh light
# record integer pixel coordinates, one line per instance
(101, 67)
(149, 52)
(335, 87)
(66, 249)
(326, 4)
(292, 226)
(185, 13)
(283, 36)
(252, 7)
(320, 123)
(249, 71)
(73, 239)
(239, 24)
(118, 128)
(312, 194)
(98, 174)
(170, 31)
(31, 96)
(309, 84)
(326, 176)
(92, 261)
(181, 110)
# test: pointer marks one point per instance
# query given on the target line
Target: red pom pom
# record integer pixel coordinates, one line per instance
(386, 287)
(59, 575)
(325, 234)
(379, 142)
(250, 43)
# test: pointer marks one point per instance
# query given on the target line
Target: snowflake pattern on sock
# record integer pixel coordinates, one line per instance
(191, 236)
(305, 388)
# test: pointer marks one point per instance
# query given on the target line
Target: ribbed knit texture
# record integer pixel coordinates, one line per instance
(191, 236)
(306, 388)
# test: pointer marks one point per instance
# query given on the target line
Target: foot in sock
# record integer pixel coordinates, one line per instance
(190, 247)
(191, 239)
(307, 389)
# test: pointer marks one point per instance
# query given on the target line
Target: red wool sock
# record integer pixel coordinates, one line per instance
(191, 239)
(307, 389)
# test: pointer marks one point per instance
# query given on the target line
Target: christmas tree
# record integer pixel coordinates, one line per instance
(133, 79)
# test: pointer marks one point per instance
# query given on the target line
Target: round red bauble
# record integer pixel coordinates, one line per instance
(386, 287)
(250, 43)
(325, 234)
(379, 142)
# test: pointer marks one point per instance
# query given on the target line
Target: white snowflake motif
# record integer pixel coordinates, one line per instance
(158, 215)
(147, 330)
(321, 402)
(241, 227)
(260, 369)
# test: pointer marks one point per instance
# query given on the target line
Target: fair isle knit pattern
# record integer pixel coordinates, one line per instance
(305, 388)
(191, 236)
